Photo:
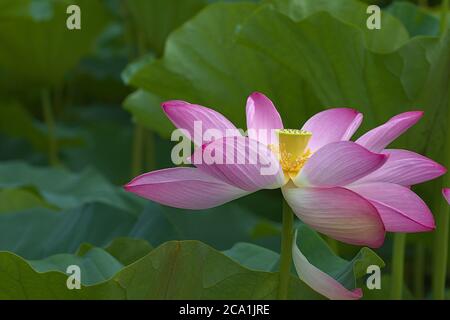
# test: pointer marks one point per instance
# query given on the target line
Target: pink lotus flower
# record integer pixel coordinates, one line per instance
(350, 191)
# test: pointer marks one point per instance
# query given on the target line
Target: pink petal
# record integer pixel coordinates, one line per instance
(187, 116)
(338, 164)
(406, 168)
(446, 194)
(337, 212)
(379, 138)
(319, 280)
(400, 209)
(183, 187)
(240, 161)
(262, 119)
(332, 125)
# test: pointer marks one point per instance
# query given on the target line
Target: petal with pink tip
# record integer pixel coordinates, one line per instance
(338, 164)
(262, 119)
(332, 125)
(406, 168)
(446, 194)
(337, 212)
(319, 280)
(379, 138)
(188, 116)
(240, 161)
(400, 209)
(187, 188)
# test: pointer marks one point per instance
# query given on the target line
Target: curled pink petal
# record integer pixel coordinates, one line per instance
(406, 168)
(187, 116)
(379, 138)
(187, 188)
(240, 161)
(338, 164)
(337, 212)
(319, 280)
(332, 125)
(400, 209)
(262, 118)
(446, 194)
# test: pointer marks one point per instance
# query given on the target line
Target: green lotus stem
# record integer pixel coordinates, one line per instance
(138, 150)
(398, 261)
(419, 270)
(286, 251)
(440, 249)
(444, 14)
(50, 122)
(142, 140)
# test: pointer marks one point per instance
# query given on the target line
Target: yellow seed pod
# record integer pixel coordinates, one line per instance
(292, 146)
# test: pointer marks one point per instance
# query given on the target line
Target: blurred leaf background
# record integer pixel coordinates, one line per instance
(80, 116)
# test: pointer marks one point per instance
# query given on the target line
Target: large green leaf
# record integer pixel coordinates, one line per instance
(36, 44)
(19, 199)
(416, 20)
(175, 270)
(60, 187)
(253, 256)
(128, 250)
(157, 18)
(220, 227)
(96, 265)
(38, 233)
(390, 37)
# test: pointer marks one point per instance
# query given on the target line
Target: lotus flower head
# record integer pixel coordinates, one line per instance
(351, 191)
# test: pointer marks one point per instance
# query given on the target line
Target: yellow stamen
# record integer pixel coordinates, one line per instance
(293, 152)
